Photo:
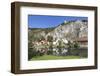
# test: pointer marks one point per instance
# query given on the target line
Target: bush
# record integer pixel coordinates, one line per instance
(49, 52)
(31, 53)
(76, 45)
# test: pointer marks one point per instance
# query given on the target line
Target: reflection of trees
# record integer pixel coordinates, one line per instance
(31, 50)
(59, 47)
(50, 39)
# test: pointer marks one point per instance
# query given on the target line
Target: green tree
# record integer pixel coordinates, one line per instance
(76, 45)
(60, 47)
(50, 39)
(70, 46)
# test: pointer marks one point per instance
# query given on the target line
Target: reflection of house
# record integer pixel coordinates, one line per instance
(83, 42)
(40, 42)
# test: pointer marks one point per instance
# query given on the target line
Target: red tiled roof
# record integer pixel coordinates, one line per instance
(82, 39)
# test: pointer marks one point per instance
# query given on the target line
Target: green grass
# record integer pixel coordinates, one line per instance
(51, 57)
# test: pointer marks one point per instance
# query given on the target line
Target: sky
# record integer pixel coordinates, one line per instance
(47, 21)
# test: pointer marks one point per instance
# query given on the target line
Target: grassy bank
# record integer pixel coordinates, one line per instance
(51, 57)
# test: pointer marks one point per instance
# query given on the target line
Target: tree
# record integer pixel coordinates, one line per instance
(76, 45)
(70, 46)
(31, 51)
(50, 39)
(60, 47)
(77, 32)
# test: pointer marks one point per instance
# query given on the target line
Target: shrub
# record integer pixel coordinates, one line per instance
(31, 53)
(76, 45)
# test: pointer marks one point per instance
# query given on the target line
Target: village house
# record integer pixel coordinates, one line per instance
(83, 42)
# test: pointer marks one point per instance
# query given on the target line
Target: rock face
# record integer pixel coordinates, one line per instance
(67, 30)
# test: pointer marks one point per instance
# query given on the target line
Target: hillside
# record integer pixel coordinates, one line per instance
(68, 30)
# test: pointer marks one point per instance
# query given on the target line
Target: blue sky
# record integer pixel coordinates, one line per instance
(47, 21)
